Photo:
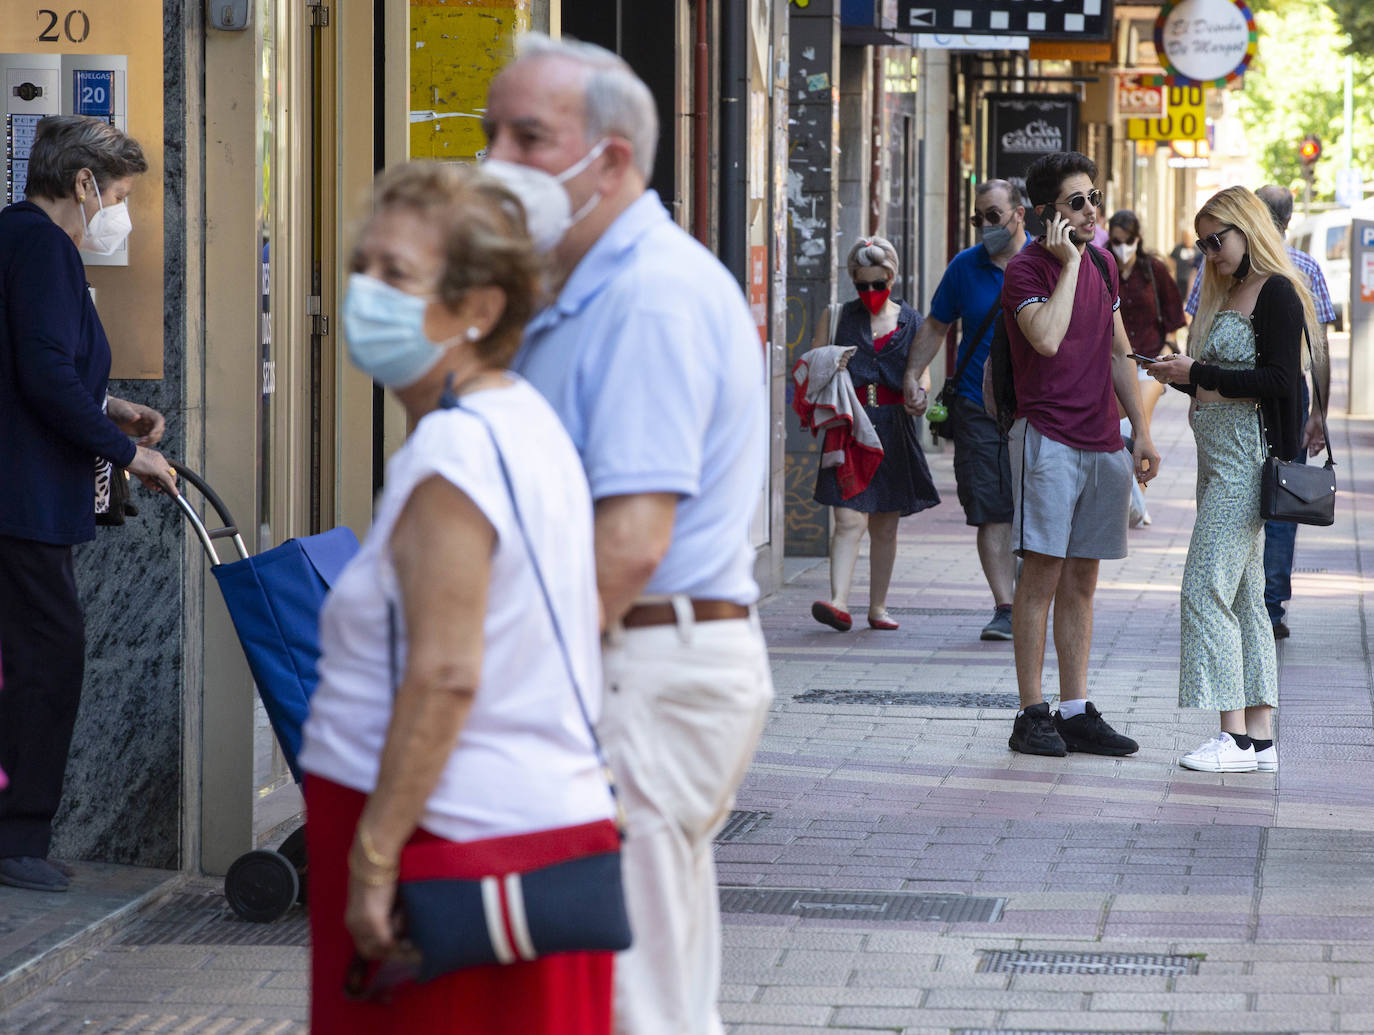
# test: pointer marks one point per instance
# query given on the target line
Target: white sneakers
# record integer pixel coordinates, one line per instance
(1221, 754)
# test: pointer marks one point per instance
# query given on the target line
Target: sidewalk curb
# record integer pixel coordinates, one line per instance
(44, 970)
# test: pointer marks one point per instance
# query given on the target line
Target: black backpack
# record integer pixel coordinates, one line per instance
(999, 357)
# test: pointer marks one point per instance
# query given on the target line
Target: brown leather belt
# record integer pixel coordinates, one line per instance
(663, 614)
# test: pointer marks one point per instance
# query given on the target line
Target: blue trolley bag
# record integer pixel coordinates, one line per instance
(274, 599)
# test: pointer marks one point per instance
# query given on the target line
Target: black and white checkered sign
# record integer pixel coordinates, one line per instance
(1039, 19)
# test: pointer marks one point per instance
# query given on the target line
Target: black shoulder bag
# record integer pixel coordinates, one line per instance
(1295, 492)
(947, 390)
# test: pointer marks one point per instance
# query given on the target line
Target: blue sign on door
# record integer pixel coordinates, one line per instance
(94, 93)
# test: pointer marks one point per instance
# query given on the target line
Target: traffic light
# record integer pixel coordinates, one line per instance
(1310, 150)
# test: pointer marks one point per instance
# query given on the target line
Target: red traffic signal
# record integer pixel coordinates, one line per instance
(1310, 149)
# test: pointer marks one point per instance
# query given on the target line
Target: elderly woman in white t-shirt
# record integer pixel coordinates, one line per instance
(481, 737)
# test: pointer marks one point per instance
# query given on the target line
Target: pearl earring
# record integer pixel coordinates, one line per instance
(472, 334)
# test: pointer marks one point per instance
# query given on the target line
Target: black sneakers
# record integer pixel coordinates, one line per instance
(1090, 734)
(1033, 733)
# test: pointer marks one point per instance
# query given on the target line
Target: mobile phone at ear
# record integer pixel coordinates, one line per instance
(1144, 361)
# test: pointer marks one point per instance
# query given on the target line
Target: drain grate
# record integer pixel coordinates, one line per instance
(742, 822)
(861, 905)
(206, 919)
(1002, 961)
(909, 699)
(936, 611)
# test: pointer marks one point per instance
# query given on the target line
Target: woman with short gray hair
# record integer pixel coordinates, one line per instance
(880, 331)
(54, 368)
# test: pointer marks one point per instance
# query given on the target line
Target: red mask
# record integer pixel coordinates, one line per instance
(875, 300)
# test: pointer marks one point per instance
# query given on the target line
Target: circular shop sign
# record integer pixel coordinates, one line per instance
(1204, 42)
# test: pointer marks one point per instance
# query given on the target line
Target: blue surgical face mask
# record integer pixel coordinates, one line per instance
(385, 328)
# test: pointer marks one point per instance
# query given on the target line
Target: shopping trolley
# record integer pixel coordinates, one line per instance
(274, 600)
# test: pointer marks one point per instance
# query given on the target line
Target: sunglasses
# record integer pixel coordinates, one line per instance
(1077, 201)
(1212, 242)
(992, 217)
(863, 287)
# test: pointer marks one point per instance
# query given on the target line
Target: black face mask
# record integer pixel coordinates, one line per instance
(1243, 270)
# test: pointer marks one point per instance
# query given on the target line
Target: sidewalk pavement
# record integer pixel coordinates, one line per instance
(923, 878)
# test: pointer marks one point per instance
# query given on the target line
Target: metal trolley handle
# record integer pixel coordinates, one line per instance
(207, 536)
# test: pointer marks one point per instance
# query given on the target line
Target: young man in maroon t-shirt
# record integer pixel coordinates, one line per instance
(1071, 474)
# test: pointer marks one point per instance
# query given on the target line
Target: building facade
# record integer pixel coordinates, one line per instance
(789, 129)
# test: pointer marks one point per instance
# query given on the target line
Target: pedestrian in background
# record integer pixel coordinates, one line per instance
(1246, 352)
(652, 360)
(1151, 310)
(445, 711)
(54, 370)
(880, 329)
(1071, 476)
(971, 292)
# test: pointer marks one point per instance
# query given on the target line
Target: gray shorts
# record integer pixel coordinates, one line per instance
(1069, 502)
(982, 473)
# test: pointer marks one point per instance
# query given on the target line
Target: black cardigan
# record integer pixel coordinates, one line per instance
(1277, 375)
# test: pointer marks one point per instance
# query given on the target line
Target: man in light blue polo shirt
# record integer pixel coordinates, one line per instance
(971, 292)
(651, 358)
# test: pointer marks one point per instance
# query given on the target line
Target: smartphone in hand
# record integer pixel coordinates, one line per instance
(1144, 361)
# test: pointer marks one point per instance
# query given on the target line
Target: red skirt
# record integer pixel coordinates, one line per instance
(567, 994)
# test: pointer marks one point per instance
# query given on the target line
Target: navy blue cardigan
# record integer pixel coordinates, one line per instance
(54, 366)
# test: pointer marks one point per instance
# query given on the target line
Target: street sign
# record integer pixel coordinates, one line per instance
(1133, 98)
(93, 92)
(1349, 186)
(1185, 117)
(1039, 19)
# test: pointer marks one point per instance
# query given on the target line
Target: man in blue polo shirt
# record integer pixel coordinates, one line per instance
(651, 359)
(971, 292)
(1280, 537)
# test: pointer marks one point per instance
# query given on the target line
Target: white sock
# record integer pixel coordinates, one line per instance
(1070, 709)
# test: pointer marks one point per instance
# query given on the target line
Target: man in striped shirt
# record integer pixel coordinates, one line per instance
(1280, 536)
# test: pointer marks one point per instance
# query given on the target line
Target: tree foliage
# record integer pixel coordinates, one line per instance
(1296, 85)
(1356, 19)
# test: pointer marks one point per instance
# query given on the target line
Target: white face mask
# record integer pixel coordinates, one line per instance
(107, 229)
(548, 211)
(576, 169)
(1125, 252)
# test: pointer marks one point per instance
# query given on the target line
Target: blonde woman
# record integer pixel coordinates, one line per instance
(1247, 358)
(881, 329)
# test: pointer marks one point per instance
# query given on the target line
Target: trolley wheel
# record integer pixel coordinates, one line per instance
(261, 886)
(294, 850)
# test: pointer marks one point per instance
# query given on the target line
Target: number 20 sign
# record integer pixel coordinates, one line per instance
(1184, 119)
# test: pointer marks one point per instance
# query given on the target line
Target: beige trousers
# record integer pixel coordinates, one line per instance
(683, 711)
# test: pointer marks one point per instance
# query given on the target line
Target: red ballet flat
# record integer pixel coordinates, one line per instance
(831, 616)
(882, 623)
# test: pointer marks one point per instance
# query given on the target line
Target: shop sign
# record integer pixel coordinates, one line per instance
(1185, 117)
(1021, 128)
(1040, 19)
(1204, 42)
(1133, 98)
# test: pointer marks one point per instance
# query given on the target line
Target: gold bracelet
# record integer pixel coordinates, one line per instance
(373, 880)
(370, 853)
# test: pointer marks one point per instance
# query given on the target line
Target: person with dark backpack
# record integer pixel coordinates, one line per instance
(1071, 475)
(971, 292)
